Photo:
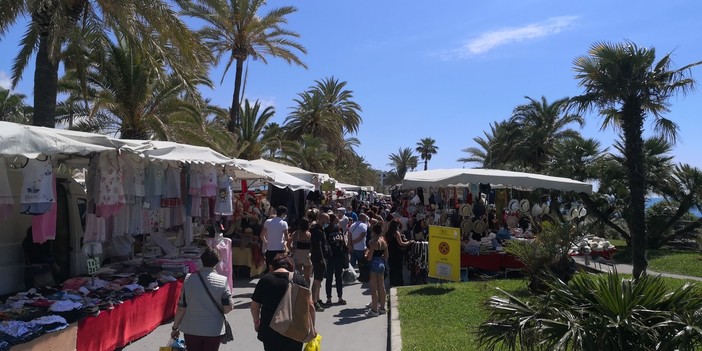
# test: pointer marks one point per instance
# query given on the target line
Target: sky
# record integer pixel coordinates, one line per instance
(447, 69)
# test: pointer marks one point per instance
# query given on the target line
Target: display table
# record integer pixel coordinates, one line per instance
(129, 321)
(491, 262)
(62, 340)
(244, 257)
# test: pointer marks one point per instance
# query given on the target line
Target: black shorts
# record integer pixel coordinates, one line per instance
(319, 269)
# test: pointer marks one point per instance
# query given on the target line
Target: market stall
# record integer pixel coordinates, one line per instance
(143, 205)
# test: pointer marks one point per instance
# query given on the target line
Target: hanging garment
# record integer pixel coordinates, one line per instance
(37, 194)
(209, 181)
(7, 202)
(44, 225)
(155, 182)
(111, 199)
(172, 189)
(224, 205)
(224, 267)
(94, 229)
(133, 171)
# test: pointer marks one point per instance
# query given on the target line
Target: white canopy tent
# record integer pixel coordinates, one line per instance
(507, 179)
(351, 187)
(31, 142)
(277, 178)
(296, 172)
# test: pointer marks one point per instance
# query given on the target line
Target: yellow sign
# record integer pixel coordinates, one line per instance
(445, 253)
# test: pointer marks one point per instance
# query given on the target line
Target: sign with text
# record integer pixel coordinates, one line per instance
(445, 253)
(93, 265)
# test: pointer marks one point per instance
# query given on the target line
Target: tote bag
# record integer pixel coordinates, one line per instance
(292, 316)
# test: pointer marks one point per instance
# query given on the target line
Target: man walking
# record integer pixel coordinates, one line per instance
(275, 235)
(357, 239)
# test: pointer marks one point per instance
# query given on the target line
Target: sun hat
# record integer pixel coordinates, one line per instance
(466, 210)
(512, 221)
(574, 213)
(341, 209)
(536, 210)
(524, 205)
(514, 205)
(466, 226)
(582, 212)
(546, 209)
(479, 226)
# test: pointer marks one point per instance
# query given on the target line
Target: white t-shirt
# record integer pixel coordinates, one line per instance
(276, 228)
(358, 229)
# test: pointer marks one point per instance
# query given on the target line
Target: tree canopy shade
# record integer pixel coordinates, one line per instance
(626, 85)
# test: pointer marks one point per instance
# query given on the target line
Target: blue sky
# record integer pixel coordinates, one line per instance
(446, 69)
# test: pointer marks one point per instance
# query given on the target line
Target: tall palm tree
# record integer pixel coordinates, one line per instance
(626, 84)
(339, 103)
(496, 149)
(234, 28)
(403, 161)
(13, 108)
(576, 158)
(426, 148)
(545, 124)
(309, 152)
(152, 25)
(253, 121)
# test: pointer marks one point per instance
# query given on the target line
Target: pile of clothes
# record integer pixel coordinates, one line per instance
(28, 315)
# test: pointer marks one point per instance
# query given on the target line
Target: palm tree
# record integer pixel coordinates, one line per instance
(544, 124)
(309, 153)
(253, 121)
(125, 90)
(626, 84)
(403, 161)
(235, 29)
(576, 158)
(152, 25)
(339, 103)
(496, 149)
(426, 148)
(13, 108)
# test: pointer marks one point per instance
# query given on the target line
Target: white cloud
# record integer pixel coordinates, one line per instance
(495, 38)
(5, 80)
(265, 101)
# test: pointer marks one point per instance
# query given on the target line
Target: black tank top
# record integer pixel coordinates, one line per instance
(378, 253)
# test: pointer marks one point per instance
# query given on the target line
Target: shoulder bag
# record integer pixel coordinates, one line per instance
(228, 334)
(292, 316)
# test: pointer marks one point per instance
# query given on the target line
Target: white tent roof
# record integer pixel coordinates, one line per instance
(508, 179)
(277, 178)
(30, 142)
(291, 170)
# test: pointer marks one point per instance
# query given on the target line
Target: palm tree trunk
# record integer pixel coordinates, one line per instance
(426, 163)
(234, 117)
(632, 126)
(45, 86)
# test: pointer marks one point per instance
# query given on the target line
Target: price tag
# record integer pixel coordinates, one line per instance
(93, 265)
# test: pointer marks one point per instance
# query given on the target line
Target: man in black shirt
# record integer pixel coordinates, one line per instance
(318, 251)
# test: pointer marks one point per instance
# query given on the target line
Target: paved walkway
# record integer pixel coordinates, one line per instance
(627, 269)
(342, 327)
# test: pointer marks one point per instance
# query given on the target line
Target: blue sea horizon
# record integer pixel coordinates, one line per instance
(654, 200)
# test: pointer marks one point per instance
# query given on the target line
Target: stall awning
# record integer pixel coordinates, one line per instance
(277, 178)
(508, 179)
(31, 142)
(291, 170)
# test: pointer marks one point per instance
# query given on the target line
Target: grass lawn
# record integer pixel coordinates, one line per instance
(444, 317)
(664, 260)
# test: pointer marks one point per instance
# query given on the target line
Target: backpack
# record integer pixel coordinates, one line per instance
(292, 316)
(337, 244)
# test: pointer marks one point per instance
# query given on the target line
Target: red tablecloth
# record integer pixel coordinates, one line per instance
(129, 321)
(491, 262)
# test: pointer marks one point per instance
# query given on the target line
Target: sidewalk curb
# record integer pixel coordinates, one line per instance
(395, 340)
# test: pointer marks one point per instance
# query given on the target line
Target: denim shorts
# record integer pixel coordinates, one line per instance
(377, 265)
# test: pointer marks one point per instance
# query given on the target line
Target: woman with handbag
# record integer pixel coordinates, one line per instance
(377, 255)
(269, 290)
(204, 300)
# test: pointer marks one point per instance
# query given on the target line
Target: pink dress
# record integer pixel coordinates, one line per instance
(209, 181)
(224, 267)
(44, 225)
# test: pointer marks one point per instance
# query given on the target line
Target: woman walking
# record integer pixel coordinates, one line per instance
(377, 255)
(204, 300)
(300, 241)
(265, 299)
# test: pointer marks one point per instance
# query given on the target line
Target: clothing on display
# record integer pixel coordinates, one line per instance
(37, 193)
(7, 201)
(224, 267)
(208, 181)
(111, 190)
(155, 182)
(44, 225)
(224, 205)
(133, 172)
